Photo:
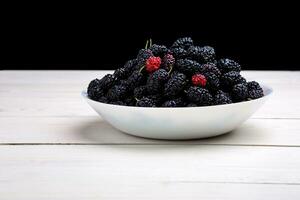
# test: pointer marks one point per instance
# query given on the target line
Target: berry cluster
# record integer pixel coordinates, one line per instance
(184, 75)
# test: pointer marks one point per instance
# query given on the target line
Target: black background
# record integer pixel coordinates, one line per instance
(263, 38)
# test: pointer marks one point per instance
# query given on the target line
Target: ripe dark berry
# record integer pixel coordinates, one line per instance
(130, 66)
(156, 81)
(145, 102)
(173, 103)
(187, 66)
(130, 101)
(153, 63)
(175, 85)
(107, 81)
(239, 92)
(97, 87)
(135, 79)
(179, 53)
(103, 99)
(210, 67)
(140, 92)
(222, 98)
(227, 65)
(213, 82)
(254, 90)
(168, 61)
(156, 98)
(207, 54)
(253, 85)
(123, 82)
(232, 78)
(194, 53)
(94, 90)
(184, 43)
(199, 80)
(143, 55)
(117, 92)
(159, 50)
(200, 96)
(120, 73)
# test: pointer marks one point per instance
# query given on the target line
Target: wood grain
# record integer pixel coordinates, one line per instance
(55, 93)
(92, 130)
(148, 172)
(54, 146)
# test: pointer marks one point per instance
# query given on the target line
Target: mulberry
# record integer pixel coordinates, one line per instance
(175, 85)
(226, 65)
(184, 43)
(187, 66)
(156, 81)
(159, 50)
(200, 96)
(145, 102)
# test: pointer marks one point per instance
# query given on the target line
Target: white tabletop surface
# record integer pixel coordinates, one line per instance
(54, 146)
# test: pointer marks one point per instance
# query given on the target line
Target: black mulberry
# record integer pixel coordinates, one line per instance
(159, 50)
(130, 101)
(210, 67)
(254, 90)
(240, 92)
(135, 79)
(117, 92)
(120, 73)
(184, 43)
(207, 54)
(222, 98)
(143, 55)
(232, 78)
(168, 62)
(173, 103)
(130, 66)
(94, 90)
(175, 85)
(179, 53)
(187, 66)
(156, 98)
(227, 65)
(200, 96)
(194, 53)
(145, 102)
(140, 92)
(212, 81)
(156, 81)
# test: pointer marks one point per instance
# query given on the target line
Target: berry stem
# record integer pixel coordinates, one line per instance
(150, 42)
(171, 68)
(146, 46)
(136, 99)
(141, 68)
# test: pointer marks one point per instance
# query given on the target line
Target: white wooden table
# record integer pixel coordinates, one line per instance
(54, 146)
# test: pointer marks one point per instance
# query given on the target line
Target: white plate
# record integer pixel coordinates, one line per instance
(178, 123)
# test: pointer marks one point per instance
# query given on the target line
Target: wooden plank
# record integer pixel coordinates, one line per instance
(47, 101)
(118, 190)
(50, 76)
(149, 172)
(92, 130)
(40, 93)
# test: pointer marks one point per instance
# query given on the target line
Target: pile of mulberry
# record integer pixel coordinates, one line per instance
(184, 74)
